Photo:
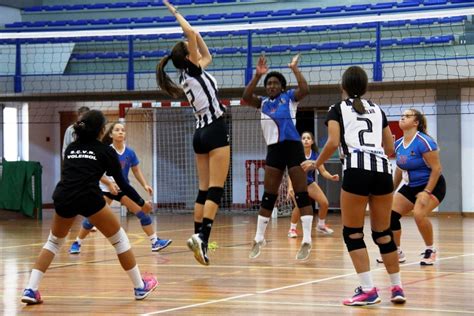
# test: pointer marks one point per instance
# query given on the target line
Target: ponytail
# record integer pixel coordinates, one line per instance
(354, 82)
(164, 81)
(90, 125)
(357, 105)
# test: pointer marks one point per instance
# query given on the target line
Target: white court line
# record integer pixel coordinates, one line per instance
(286, 287)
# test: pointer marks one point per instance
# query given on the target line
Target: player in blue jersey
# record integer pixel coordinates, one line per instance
(311, 152)
(360, 129)
(424, 186)
(285, 150)
(115, 137)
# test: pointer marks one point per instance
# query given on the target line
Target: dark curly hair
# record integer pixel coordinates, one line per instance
(277, 75)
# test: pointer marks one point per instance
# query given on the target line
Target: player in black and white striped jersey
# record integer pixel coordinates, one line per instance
(360, 129)
(211, 138)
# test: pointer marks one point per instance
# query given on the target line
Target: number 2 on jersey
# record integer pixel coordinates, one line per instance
(368, 130)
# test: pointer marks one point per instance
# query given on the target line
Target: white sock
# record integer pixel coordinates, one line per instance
(134, 275)
(307, 222)
(365, 279)
(262, 223)
(35, 278)
(431, 247)
(293, 226)
(153, 238)
(395, 279)
(321, 222)
(79, 240)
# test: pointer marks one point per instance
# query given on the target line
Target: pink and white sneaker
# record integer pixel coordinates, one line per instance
(362, 298)
(150, 284)
(292, 233)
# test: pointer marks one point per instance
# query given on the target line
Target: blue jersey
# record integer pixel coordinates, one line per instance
(127, 159)
(410, 159)
(311, 175)
(278, 118)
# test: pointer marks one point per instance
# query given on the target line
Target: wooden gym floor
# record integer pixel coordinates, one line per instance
(93, 283)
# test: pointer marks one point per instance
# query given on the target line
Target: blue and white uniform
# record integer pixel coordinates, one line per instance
(311, 175)
(278, 121)
(128, 159)
(410, 159)
(278, 118)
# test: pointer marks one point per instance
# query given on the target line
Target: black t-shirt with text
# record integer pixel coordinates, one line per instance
(84, 164)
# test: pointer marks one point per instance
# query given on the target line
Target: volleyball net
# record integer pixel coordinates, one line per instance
(412, 59)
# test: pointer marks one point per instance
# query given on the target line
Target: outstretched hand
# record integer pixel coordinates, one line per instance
(294, 62)
(262, 66)
(170, 7)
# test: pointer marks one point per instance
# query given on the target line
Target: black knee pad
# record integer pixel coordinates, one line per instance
(353, 243)
(201, 197)
(215, 194)
(268, 200)
(395, 221)
(302, 199)
(387, 247)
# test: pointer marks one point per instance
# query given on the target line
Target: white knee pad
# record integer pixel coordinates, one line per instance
(120, 241)
(54, 243)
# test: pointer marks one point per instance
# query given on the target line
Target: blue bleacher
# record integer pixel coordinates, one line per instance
(358, 7)
(411, 41)
(96, 6)
(284, 12)
(301, 48)
(203, 1)
(395, 23)
(407, 4)
(356, 44)
(316, 28)
(117, 5)
(333, 45)
(308, 11)
(259, 14)
(423, 21)
(387, 42)
(440, 39)
(434, 2)
(213, 16)
(367, 25)
(330, 9)
(236, 15)
(334, 9)
(278, 49)
(341, 27)
(383, 5)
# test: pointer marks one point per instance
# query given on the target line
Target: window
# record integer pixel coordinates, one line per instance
(15, 132)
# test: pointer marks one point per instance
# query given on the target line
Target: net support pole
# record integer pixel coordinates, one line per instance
(249, 68)
(130, 71)
(377, 72)
(17, 78)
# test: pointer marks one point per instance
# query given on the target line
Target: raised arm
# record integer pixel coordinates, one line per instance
(248, 96)
(302, 90)
(198, 51)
